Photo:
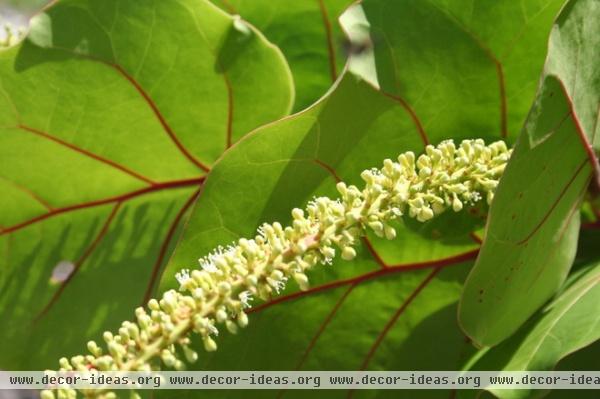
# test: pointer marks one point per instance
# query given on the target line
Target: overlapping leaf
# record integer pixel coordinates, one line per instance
(465, 68)
(360, 313)
(534, 221)
(111, 113)
(307, 33)
(394, 296)
(568, 323)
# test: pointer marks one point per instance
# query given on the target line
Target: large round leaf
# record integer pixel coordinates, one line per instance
(111, 113)
(466, 67)
(349, 320)
(394, 298)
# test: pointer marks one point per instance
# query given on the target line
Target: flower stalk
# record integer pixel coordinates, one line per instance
(216, 295)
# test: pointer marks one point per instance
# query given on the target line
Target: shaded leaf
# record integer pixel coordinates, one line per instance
(357, 315)
(534, 221)
(584, 359)
(570, 322)
(395, 297)
(307, 33)
(111, 113)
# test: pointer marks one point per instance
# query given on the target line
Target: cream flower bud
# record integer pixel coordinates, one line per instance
(425, 214)
(134, 331)
(348, 253)
(94, 348)
(47, 394)
(242, 319)
(297, 213)
(302, 281)
(107, 336)
(231, 327)
(224, 287)
(167, 358)
(190, 355)
(456, 205)
(328, 252)
(209, 344)
(377, 228)
(390, 232)
(64, 363)
(221, 315)
(438, 208)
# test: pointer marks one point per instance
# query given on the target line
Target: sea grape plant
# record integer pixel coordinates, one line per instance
(127, 125)
(218, 293)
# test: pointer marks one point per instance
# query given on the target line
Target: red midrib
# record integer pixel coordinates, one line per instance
(103, 201)
(159, 115)
(465, 256)
(87, 153)
(397, 315)
(554, 204)
(329, 39)
(374, 253)
(149, 101)
(229, 131)
(80, 261)
(412, 114)
(165, 245)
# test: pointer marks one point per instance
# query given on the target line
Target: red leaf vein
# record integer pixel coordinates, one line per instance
(80, 261)
(87, 153)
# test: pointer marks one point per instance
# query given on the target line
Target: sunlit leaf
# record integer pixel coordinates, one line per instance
(111, 114)
(570, 322)
(395, 297)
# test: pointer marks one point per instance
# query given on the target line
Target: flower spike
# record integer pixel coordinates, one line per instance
(444, 178)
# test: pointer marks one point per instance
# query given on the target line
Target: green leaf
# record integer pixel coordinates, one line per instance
(394, 298)
(534, 221)
(569, 323)
(111, 113)
(582, 360)
(358, 314)
(307, 33)
(467, 68)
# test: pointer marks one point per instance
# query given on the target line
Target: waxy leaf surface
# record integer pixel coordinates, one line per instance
(394, 298)
(111, 114)
(308, 34)
(380, 311)
(534, 221)
(570, 322)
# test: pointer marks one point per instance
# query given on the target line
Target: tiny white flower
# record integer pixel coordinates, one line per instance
(246, 298)
(212, 329)
(182, 277)
(207, 265)
(279, 285)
